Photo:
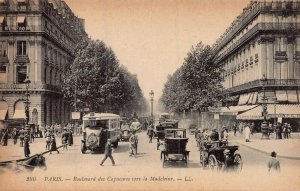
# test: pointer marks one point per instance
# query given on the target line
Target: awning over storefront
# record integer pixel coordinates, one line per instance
(19, 114)
(234, 110)
(254, 99)
(3, 114)
(244, 98)
(1, 17)
(21, 19)
(274, 110)
(3, 110)
(292, 96)
(281, 96)
(19, 110)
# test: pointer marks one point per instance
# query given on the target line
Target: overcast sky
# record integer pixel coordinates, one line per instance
(152, 37)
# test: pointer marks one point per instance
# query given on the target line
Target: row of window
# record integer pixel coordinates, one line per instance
(22, 51)
(23, 26)
(21, 73)
(244, 63)
(21, 48)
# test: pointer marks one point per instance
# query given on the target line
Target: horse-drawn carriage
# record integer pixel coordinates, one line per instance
(175, 142)
(219, 155)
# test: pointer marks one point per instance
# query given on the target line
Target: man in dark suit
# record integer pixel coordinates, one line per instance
(108, 153)
(214, 136)
(26, 144)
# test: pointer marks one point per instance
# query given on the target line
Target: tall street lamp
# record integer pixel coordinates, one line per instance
(152, 100)
(26, 102)
(264, 125)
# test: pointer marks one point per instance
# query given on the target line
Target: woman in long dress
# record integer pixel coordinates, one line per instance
(247, 132)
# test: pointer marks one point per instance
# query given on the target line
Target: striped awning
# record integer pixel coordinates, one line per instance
(274, 110)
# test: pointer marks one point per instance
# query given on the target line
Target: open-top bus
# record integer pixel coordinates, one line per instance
(97, 128)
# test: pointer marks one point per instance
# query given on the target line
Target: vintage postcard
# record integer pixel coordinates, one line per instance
(150, 95)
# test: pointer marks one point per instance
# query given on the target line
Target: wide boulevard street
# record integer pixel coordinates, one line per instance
(146, 171)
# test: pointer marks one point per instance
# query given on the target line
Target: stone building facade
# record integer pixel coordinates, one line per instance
(37, 39)
(260, 55)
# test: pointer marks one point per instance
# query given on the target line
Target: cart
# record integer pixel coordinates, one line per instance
(175, 142)
(219, 155)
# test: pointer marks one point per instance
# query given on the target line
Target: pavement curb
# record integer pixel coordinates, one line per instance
(267, 153)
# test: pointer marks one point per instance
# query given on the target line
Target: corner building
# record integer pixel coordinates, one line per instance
(37, 38)
(260, 55)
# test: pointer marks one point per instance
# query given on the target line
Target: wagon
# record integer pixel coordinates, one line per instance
(175, 142)
(219, 155)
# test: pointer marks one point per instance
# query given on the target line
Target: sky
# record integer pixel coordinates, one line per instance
(152, 37)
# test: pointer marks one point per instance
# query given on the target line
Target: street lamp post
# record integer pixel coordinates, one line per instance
(264, 125)
(275, 118)
(151, 101)
(26, 102)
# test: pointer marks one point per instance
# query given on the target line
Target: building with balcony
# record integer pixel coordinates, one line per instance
(260, 55)
(37, 39)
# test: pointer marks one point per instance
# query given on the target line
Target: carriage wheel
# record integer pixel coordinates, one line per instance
(238, 163)
(202, 162)
(212, 162)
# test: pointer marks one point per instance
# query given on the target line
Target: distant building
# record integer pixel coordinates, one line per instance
(37, 39)
(261, 50)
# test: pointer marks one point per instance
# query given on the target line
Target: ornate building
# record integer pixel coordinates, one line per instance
(37, 38)
(260, 54)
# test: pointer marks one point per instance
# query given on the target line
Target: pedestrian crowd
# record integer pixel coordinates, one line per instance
(277, 130)
(27, 136)
(66, 134)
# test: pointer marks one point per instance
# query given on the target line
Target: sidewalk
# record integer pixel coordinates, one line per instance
(285, 148)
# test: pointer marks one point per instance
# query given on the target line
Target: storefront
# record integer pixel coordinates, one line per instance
(284, 113)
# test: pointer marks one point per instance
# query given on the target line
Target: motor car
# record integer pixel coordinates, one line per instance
(174, 150)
